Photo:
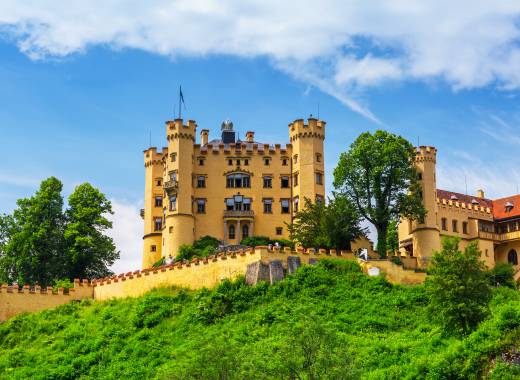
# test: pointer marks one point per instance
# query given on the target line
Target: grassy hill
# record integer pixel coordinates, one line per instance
(328, 321)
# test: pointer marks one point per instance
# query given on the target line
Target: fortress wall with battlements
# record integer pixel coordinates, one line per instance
(15, 300)
(203, 273)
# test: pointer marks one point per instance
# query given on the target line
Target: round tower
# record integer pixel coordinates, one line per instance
(179, 220)
(152, 211)
(426, 237)
(308, 172)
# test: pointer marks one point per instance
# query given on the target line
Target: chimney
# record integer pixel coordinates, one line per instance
(250, 136)
(204, 137)
(480, 193)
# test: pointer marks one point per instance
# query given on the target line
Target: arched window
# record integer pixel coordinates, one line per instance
(245, 231)
(238, 180)
(512, 257)
(231, 231)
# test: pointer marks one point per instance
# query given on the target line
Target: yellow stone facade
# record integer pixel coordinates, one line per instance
(227, 188)
(494, 224)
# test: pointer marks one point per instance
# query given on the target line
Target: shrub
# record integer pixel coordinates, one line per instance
(502, 275)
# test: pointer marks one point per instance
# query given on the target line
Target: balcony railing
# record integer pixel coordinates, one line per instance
(513, 235)
(238, 214)
(141, 212)
(171, 186)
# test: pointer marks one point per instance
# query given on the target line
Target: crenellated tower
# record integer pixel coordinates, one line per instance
(179, 224)
(152, 213)
(308, 173)
(426, 232)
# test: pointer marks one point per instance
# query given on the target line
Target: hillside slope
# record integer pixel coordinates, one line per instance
(328, 321)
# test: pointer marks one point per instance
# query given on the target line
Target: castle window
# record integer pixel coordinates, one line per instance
(159, 182)
(246, 162)
(284, 162)
(512, 257)
(153, 248)
(230, 204)
(201, 181)
(238, 162)
(419, 176)
(238, 180)
(318, 157)
(201, 162)
(157, 224)
(268, 182)
(158, 201)
(245, 231)
(296, 204)
(279, 230)
(170, 229)
(319, 198)
(444, 225)
(173, 176)
(173, 157)
(454, 225)
(319, 179)
(295, 180)
(285, 206)
(295, 158)
(173, 203)
(284, 182)
(464, 227)
(266, 161)
(230, 162)
(268, 206)
(201, 206)
(231, 231)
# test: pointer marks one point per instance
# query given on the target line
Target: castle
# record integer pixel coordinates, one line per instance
(494, 224)
(227, 188)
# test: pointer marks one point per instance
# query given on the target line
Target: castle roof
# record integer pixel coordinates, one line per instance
(502, 208)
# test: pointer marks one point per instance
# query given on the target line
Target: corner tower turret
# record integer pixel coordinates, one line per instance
(426, 233)
(308, 173)
(178, 188)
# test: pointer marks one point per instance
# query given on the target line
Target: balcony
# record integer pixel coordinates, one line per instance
(506, 236)
(238, 214)
(141, 212)
(488, 235)
(171, 187)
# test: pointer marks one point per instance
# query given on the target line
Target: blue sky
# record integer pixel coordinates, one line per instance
(81, 88)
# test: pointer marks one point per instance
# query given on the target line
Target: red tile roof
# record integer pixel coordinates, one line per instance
(499, 207)
(445, 194)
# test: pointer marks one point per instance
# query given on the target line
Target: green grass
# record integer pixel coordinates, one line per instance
(328, 321)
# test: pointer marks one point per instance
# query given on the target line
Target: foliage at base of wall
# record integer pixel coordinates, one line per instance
(255, 241)
(327, 321)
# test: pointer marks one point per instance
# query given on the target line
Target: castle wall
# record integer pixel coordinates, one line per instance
(396, 274)
(14, 301)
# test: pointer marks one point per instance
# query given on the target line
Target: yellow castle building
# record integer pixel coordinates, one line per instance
(227, 188)
(495, 224)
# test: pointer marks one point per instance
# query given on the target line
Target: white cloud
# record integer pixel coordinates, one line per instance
(337, 46)
(127, 233)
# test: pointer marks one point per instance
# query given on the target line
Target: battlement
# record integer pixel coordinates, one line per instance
(314, 128)
(177, 129)
(243, 148)
(153, 157)
(16, 299)
(486, 211)
(426, 153)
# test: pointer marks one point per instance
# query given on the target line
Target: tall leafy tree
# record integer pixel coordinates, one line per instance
(333, 225)
(392, 237)
(458, 287)
(377, 174)
(33, 246)
(89, 251)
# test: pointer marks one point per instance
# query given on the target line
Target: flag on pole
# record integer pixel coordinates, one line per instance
(181, 100)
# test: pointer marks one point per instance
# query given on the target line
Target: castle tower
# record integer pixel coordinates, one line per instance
(308, 173)
(179, 222)
(152, 212)
(426, 238)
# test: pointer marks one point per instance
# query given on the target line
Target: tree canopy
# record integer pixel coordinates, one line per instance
(377, 175)
(332, 225)
(458, 287)
(41, 243)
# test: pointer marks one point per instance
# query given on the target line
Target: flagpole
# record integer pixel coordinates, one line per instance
(180, 95)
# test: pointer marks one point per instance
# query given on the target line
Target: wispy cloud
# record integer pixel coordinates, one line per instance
(17, 180)
(348, 46)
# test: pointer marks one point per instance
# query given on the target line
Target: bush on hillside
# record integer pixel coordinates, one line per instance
(201, 247)
(254, 241)
(503, 274)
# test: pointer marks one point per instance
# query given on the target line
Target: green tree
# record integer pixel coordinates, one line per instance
(201, 247)
(326, 226)
(90, 252)
(458, 287)
(392, 237)
(503, 274)
(33, 245)
(378, 175)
